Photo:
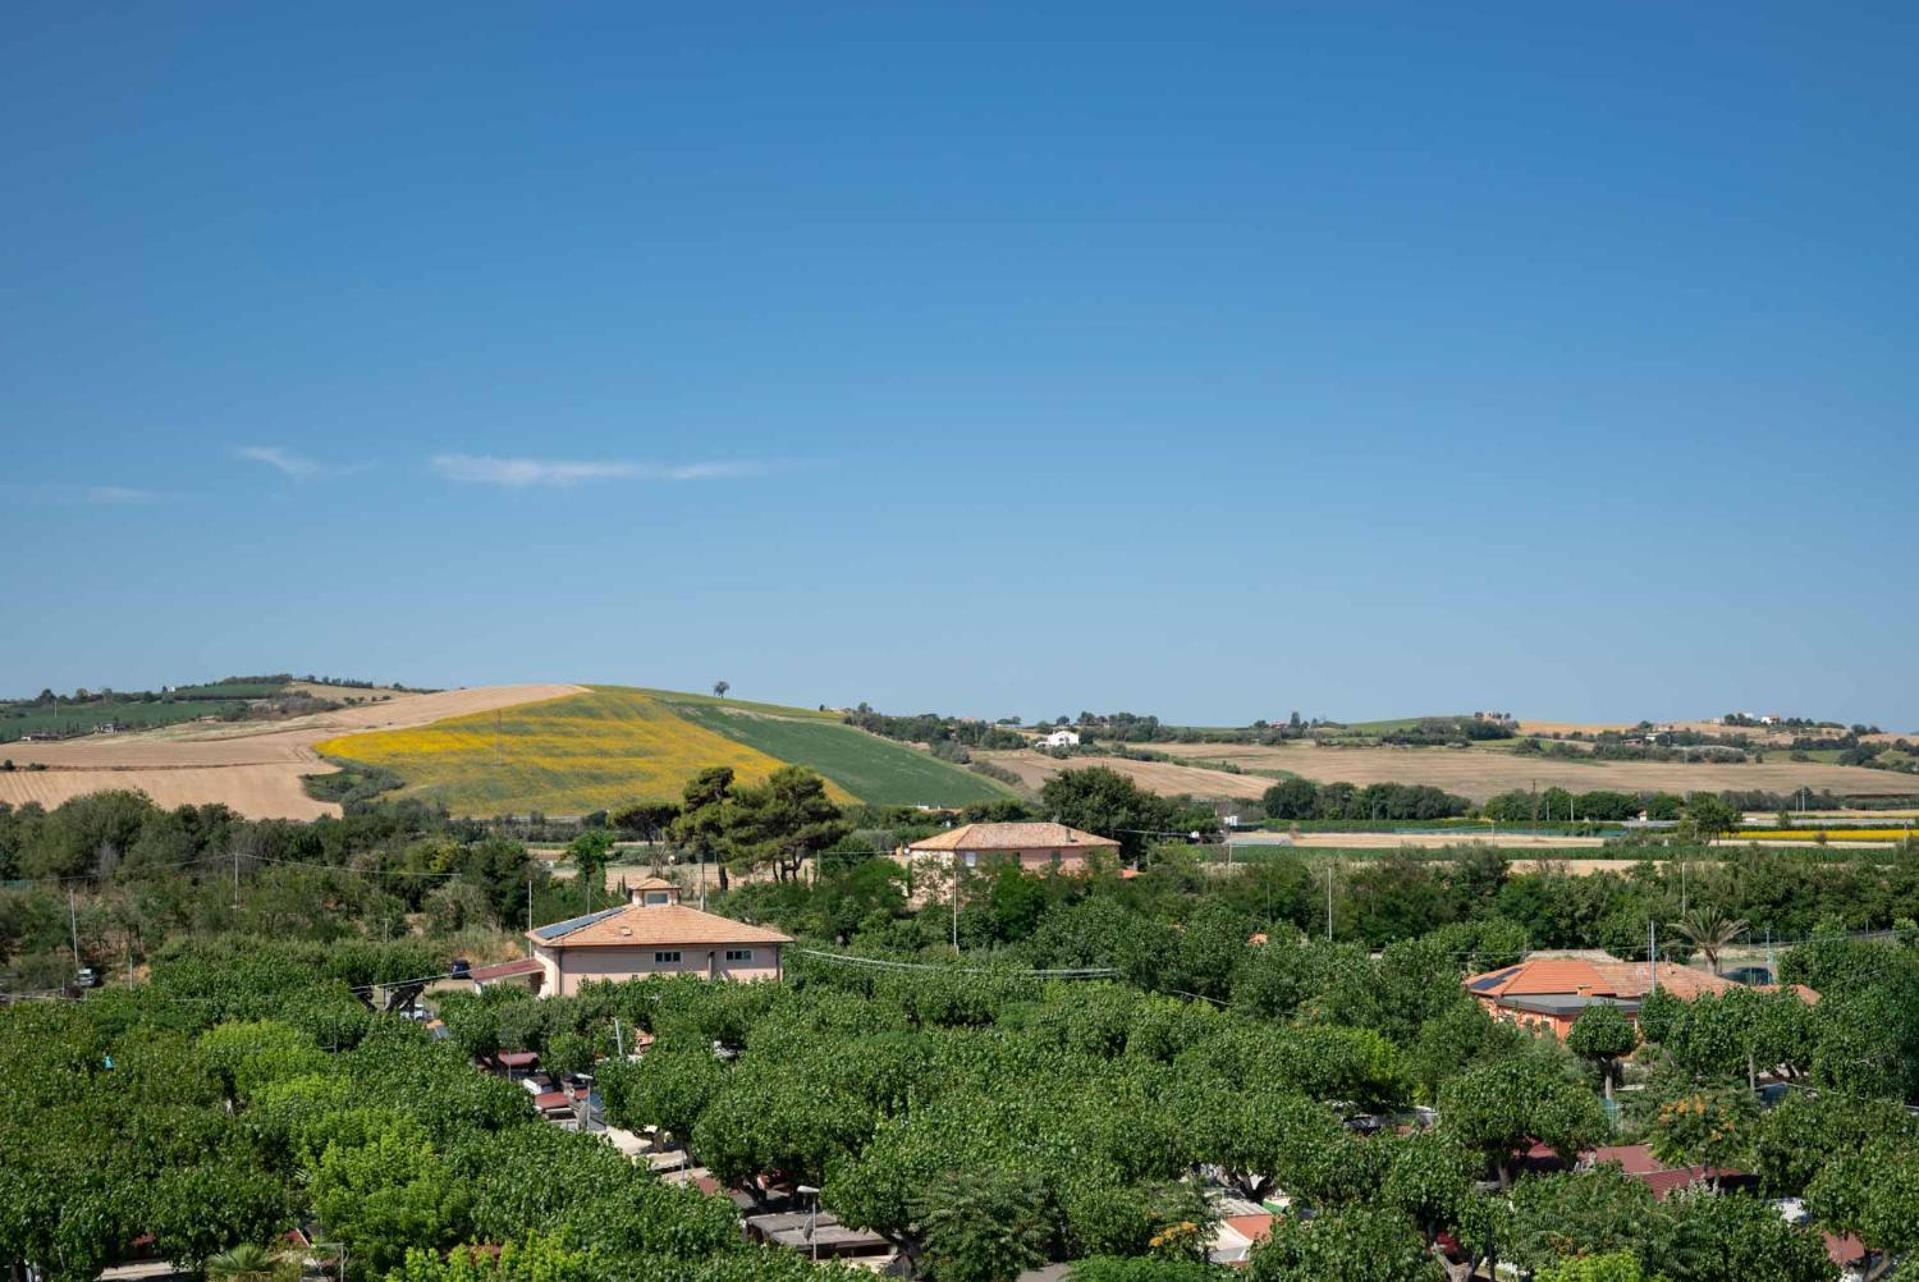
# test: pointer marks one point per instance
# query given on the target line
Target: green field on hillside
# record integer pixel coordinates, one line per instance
(870, 768)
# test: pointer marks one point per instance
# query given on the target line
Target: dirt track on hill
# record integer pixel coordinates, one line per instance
(253, 766)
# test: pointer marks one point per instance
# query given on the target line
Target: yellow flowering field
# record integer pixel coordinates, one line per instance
(596, 751)
(1831, 834)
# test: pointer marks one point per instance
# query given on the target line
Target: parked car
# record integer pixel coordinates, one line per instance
(86, 977)
(460, 967)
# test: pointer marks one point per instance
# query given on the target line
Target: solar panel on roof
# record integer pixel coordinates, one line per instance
(1493, 980)
(560, 929)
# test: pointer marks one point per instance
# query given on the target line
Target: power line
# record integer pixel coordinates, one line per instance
(880, 963)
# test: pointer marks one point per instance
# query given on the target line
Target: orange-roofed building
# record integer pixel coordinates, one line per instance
(1034, 846)
(1551, 992)
(652, 934)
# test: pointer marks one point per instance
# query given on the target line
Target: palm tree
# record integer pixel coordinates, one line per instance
(1710, 931)
(248, 1262)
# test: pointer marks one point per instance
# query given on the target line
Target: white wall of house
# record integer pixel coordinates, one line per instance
(567, 968)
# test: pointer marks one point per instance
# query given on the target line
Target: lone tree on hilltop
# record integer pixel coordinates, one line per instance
(721, 687)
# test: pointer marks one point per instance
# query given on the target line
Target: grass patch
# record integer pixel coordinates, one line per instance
(680, 699)
(352, 784)
(870, 768)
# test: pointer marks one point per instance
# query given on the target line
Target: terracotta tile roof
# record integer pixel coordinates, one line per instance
(1633, 1159)
(652, 883)
(1025, 836)
(1573, 976)
(1810, 996)
(1844, 1249)
(503, 970)
(652, 926)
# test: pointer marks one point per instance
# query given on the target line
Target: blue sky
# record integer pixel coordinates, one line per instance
(1214, 361)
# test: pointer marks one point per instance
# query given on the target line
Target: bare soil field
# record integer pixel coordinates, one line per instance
(257, 791)
(1165, 778)
(1550, 728)
(252, 766)
(1480, 775)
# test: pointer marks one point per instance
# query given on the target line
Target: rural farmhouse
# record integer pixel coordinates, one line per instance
(653, 934)
(1034, 846)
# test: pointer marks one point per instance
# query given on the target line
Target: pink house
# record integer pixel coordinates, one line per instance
(653, 934)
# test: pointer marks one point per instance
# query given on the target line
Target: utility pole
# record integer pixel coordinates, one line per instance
(956, 872)
(73, 923)
(1329, 901)
(236, 879)
(1652, 951)
(529, 911)
(619, 1040)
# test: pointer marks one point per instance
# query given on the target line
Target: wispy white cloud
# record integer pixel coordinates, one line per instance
(68, 494)
(297, 466)
(520, 473)
(117, 494)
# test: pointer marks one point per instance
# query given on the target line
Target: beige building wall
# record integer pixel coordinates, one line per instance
(1037, 859)
(568, 968)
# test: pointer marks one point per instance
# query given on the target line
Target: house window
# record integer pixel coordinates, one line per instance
(971, 857)
(739, 954)
(658, 897)
(667, 959)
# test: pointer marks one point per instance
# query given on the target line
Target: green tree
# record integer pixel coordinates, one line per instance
(1498, 1108)
(1708, 818)
(251, 1262)
(1360, 1244)
(1614, 1266)
(1604, 1035)
(1872, 1191)
(701, 824)
(647, 820)
(1707, 1237)
(1713, 1129)
(1710, 931)
(590, 853)
(1561, 1217)
(984, 1225)
(784, 821)
(1108, 803)
(385, 1195)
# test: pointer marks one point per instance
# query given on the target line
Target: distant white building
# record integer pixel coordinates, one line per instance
(1060, 739)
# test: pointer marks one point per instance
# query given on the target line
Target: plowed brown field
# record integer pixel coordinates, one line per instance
(1163, 777)
(1480, 773)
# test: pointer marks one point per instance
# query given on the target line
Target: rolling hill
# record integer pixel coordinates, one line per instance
(613, 745)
